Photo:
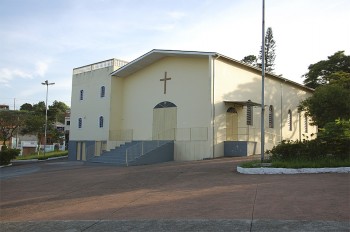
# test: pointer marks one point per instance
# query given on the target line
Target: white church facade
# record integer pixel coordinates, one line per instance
(206, 104)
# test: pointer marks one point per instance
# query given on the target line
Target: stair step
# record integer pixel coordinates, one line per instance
(117, 155)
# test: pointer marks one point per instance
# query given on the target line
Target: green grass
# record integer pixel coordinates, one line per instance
(41, 155)
(327, 162)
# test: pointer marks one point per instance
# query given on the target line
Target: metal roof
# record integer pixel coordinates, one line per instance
(243, 103)
(153, 56)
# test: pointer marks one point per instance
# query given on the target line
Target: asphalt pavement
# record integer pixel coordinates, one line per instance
(207, 195)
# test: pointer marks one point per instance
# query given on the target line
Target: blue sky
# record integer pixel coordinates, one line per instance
(45, 39)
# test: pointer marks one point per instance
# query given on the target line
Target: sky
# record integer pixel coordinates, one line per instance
(45, 39)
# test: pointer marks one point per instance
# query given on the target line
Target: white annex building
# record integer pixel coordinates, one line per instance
(193, 105)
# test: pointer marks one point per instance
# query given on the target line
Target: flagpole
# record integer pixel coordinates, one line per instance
(263, 83)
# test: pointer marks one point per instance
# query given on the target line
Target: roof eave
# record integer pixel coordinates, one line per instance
(157, 54)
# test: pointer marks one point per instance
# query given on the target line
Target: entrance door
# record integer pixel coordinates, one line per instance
(231, 124)
(164, 121)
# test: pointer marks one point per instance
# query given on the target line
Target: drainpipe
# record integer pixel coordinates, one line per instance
(212, 90)
(281, 126)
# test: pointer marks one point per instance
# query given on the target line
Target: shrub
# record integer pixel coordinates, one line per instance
(337, 136)
(300, 150)
(332, 142)
(6, 155)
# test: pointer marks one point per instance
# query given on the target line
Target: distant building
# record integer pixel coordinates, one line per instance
(4, 107)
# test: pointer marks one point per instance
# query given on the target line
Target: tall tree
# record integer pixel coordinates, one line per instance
(270, 54)
(324, 71)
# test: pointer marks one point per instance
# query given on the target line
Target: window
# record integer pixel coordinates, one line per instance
(68, 123)
(306, 124)
(103, 91)
(290, 123)
(80, 123)
(81, 94)
(249, 114)
(101, 121)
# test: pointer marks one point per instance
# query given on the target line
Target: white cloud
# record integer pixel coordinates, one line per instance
(7, 75)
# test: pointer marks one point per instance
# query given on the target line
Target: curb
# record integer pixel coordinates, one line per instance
(263, 170)
(37, 160)
(8, 165)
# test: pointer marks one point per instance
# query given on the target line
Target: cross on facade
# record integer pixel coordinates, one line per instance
(165, 79)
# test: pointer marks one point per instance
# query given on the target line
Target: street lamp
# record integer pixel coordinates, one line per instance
(47, 91)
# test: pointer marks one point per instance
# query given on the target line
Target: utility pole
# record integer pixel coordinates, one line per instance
(47, 91)
(263, 84)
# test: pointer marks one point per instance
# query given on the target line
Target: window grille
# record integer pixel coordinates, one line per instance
(306, 124)
(81, 94)
(80, 123)
(290, 123)
(271, 118)
(101, 121)
(249, 115)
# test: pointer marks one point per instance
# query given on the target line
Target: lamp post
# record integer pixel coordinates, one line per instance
(47, 91)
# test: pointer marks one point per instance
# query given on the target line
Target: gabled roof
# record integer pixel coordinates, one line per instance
(157, 54)
(153, 56)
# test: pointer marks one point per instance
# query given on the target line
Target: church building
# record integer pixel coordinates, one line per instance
(180, 105)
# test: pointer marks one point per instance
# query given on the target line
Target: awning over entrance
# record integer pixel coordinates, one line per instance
(242, 103)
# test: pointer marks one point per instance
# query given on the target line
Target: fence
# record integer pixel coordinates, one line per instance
(141, 148)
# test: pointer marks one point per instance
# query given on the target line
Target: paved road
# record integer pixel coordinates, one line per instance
(176, 196)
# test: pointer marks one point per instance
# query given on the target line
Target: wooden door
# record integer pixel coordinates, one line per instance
(231, 125)
(164, 123)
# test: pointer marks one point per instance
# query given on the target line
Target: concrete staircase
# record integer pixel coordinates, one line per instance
(114, 156)
(139, 153)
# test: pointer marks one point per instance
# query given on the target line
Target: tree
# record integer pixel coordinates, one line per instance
(323, 72)
(270, 54)
(34, 124)
(328, 103)
(26, 107)
(251, 60)
(331, 99)
(57, 111)
(39, 108)
(10, 121)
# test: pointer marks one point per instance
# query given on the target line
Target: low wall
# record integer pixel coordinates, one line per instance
(239, 148)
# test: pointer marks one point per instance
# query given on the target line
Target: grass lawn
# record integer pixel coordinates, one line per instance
(327, 162)
(41, 155)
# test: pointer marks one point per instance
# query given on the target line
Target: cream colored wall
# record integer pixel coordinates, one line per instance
(188, 89)
(116, 103)
(238, 83)
(92, 106)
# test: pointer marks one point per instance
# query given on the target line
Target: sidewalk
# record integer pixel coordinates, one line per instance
(187, 196)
